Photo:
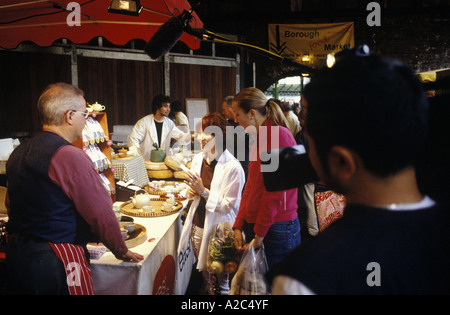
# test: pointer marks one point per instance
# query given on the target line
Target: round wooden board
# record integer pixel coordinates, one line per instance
(134, 239)
(156, 203)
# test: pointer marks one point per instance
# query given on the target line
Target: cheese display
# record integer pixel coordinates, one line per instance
(156, 166)
(174, 161)
(180, 174)
(160, 174)
(169, 168)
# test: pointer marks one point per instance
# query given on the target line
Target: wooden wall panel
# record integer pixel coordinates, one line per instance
(23, 77)
(196, 81)
(125, 87)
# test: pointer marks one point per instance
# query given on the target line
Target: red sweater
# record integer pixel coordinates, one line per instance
(258, 205)
(73, 171)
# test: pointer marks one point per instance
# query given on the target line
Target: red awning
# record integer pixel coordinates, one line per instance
(44, 21)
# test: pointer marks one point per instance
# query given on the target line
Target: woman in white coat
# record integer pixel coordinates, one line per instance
(215, 181)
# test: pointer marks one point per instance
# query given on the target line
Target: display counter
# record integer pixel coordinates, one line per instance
(161, 272)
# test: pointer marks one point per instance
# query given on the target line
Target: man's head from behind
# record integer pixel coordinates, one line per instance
(374, 107)
(56, 100)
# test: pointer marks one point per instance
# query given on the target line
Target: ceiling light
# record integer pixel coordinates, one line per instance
(129, 7)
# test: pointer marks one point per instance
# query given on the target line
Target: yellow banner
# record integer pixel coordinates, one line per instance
(308, 43)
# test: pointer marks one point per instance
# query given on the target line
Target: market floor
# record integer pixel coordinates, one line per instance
(196, 284)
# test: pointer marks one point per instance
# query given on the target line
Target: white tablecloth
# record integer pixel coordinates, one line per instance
(161, 272)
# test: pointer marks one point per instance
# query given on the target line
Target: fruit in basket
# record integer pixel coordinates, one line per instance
(222, 254)
(217, 267)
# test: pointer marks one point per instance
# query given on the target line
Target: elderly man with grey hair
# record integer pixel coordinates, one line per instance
(57, 203)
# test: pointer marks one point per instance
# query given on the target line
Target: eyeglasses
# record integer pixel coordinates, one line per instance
(86, 113)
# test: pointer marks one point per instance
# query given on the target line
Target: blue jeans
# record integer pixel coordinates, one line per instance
(280, 240)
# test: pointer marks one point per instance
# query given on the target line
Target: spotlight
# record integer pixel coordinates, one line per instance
(330, 60)
(129, 7)
(362, 50)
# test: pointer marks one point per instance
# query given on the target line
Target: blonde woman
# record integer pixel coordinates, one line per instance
(267, 217)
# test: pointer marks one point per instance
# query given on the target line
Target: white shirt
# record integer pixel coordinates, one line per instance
(144, 134)
(223, 201)
(293, 123)
(181, 119)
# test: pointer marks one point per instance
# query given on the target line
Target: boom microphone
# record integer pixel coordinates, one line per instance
(170, 32)
(167, 35)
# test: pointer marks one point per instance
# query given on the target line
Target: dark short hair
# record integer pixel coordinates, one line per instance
(158, 100)
(176, 106)
(373, 105)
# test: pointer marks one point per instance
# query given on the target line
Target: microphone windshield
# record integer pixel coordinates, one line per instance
(165, 37)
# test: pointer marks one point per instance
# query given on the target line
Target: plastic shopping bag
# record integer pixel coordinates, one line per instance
(250, 279)
(222, 255)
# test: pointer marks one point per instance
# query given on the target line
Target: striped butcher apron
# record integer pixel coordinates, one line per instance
(79, 278)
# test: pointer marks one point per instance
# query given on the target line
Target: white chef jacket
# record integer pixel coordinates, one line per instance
(144, 134)
(223, 201)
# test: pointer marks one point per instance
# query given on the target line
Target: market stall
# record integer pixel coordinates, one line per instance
(161, 272)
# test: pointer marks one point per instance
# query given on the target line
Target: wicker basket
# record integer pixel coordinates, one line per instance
(128, 208)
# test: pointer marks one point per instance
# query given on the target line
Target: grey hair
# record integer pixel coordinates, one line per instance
(56, 100)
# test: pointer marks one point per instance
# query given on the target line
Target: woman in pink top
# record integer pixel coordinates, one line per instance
(265, 217)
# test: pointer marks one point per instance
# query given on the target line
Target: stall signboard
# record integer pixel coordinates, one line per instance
(310, 43)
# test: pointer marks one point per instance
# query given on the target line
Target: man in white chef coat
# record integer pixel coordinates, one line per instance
(155, 128)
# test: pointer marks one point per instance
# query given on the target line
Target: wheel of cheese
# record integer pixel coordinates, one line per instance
(173, 161)
(160, 174)
(156, 166)
(180, 174)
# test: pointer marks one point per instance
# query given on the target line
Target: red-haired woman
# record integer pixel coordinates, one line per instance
(215, 184)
